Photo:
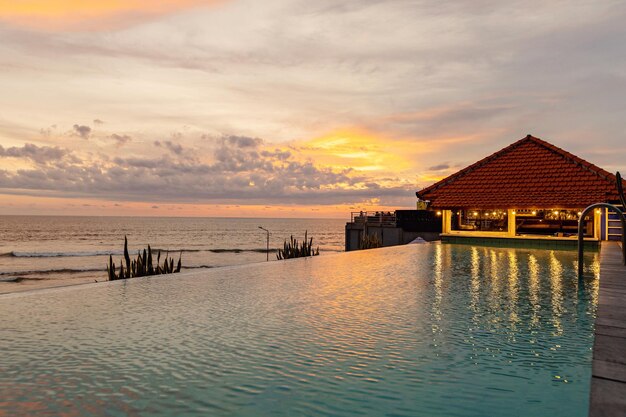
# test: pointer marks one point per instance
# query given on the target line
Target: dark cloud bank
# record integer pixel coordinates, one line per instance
(241, 171)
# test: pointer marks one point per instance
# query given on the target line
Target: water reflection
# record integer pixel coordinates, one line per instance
(513, 277)
(556, 291)
(438, 269)
(533, 289)
(475, 281)
(494, 299)
(437, 330)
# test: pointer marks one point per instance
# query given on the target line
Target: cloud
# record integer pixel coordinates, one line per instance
(439, 167)
(120, 139)
(90, 15)
(173, 147)
(237, 174)
(447, 85)
(47, 132)
(243, 141)
(82, 131)
(277, 154)
(39, 154)
(177, 148)
(97, 122)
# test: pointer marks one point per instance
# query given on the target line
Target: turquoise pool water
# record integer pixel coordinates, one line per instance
(418, 330)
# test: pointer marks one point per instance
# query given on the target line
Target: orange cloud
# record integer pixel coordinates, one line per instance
(358, 149)
(391, 159)
(89, 14)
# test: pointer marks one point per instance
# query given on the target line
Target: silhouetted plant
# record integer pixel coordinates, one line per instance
(293, 249)
(368, 241)
(143, 266)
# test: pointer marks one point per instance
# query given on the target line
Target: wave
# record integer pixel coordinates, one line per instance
(218, 250)
(19, 279)
(238, 250)
(16, 254)
(53, 271)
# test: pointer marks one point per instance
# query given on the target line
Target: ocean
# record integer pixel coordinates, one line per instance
(46, 251)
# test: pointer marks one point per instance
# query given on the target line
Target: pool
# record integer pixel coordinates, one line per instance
(417, 330)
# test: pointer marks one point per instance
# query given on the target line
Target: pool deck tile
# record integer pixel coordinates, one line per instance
(608, 381)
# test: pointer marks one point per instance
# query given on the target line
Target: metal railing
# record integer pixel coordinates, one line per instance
(611, 207)
(379, 218)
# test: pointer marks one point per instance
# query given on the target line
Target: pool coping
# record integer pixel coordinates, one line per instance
(608, 380)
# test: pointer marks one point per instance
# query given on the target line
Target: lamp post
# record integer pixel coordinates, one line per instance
(268, 243)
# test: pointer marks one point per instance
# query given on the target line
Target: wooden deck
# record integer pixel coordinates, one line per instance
(608, 382)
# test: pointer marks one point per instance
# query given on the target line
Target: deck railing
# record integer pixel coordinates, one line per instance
(376, 218)
(610, 207)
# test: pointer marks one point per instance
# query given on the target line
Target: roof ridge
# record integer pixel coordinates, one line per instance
(475, 165)
(567, 156)
(605, 175)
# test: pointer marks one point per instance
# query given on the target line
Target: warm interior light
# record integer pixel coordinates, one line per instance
(494, 213)
(514, 212)
(438, 213)
(555, 212)
(534, 212)
(598, 211)
(475, 213)
(580, 212)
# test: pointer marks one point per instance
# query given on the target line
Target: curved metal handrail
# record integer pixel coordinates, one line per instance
(580, 232)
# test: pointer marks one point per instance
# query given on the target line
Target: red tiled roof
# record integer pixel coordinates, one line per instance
(530, 173)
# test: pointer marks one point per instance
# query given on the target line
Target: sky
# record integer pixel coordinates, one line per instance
(292, 108)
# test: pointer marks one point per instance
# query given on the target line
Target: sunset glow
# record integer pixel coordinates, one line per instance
(71, 14)
(360, 150)
(241, 107)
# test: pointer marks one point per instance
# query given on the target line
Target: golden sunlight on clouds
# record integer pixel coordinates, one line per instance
(357, 149)
(88, 14)
(15, 164)
(393, 161)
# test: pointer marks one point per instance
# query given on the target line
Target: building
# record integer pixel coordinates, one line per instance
(390, 229)
(529, 191)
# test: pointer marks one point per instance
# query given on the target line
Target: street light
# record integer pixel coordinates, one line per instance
(268, 242)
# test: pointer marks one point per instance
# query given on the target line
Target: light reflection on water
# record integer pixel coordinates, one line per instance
(556, 291)
(419, 330)
(533, 289)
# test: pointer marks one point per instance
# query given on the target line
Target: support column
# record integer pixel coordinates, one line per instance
(597, 218)
(511, 223)
(446, 221)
